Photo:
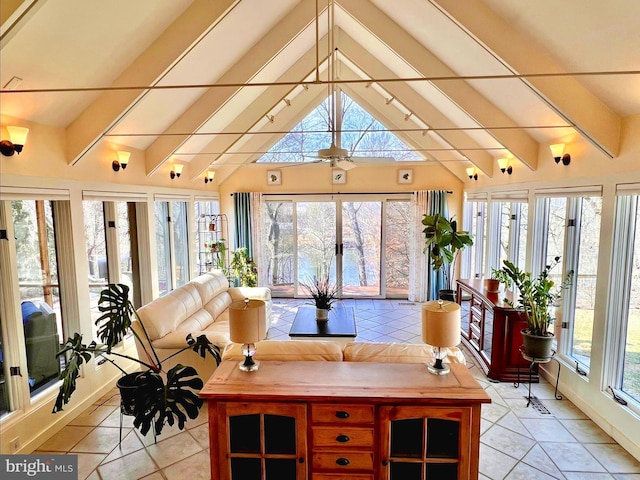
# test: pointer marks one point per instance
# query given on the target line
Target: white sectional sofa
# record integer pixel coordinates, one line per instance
(199, 307)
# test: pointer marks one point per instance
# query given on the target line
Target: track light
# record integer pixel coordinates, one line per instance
(209, 177)
(471, 172)
(122, 161)
(557, 150)
(18, 137)
(503, 163)
(176, 171)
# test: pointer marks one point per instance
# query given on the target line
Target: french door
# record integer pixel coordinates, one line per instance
(361, 245)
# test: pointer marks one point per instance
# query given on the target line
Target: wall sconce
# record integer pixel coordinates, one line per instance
(503, 163)
(471, 171)
(176, 171)
(557, 151)
(123, 160)
(209, 177)
(18, 136)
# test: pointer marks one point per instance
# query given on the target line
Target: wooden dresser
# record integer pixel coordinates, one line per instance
(491, 330)
(343, 420)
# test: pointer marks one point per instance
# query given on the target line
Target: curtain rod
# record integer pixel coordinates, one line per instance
(337, 193)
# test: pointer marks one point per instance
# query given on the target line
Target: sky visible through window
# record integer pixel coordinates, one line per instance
(362, 135)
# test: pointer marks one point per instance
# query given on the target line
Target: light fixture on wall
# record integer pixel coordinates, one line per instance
(471, 172)
(557, 150)
(209, 177)
(176, 171)
(18, 137)
(503, 163)
(122, 161)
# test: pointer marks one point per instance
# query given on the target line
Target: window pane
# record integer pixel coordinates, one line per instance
(586, 278)
(96, 245)
(180, 241)
(555, 233)
(522, 224)
(631, 364)
(505, 226)
(39, 290)
(397, 248)
(361, 233)
(204, 211)
(316, 240)
(278, 247)
(163, 247)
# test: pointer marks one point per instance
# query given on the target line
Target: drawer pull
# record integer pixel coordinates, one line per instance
(301, 460)
(342, 414)
(385, 463)
(342, 461)
(342, 438)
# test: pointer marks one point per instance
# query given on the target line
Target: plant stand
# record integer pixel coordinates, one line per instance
(534, 362)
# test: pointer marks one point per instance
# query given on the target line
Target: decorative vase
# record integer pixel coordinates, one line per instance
(322, 314)
(536, 346)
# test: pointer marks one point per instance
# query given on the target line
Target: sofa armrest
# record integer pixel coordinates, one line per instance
(254, 293)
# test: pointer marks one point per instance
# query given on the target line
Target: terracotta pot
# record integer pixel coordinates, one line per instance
(492, 285)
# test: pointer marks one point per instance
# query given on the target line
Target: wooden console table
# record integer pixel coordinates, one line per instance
(491, 331)
(343, 420)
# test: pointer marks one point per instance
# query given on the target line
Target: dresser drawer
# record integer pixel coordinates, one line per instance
(342, 476)
(342, 436)
(339, 414)
(342, 461)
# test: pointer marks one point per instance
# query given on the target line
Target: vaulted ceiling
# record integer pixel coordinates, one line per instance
(213, 83)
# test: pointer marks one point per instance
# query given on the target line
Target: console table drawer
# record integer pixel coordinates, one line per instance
(343, 461)
(339, 414)
(342, 437)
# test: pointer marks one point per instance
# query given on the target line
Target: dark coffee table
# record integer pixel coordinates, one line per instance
(340, 327)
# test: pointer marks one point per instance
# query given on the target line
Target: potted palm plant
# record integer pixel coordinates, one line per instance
(243, 268)
(324, 294)
(536, 298)
(444, 243)
(152, 395)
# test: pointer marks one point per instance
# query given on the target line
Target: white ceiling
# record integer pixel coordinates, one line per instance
(66, 44)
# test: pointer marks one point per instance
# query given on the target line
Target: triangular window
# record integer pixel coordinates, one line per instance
(361, 135)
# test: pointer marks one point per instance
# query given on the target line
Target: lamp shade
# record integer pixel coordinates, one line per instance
(441, 324)
(18, 135)
(247, 322)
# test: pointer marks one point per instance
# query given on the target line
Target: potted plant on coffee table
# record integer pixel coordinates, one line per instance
(536, 298)
(324, 294)
(152, 395)
(444, 242)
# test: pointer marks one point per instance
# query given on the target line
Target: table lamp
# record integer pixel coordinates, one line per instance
(440, 328)
(247, 326)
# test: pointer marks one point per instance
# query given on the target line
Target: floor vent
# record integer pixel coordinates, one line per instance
(538, 406)
(406, 303)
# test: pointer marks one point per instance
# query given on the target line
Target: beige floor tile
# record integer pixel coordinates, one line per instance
(494, 464)
(113, 420)
(131, 467)
(511, 443)
(538, 459)
(65, 439)
(614, 458)
(93, 416)
(201, 434)
(195, 467)
(522, 471)
(174, 449)
(572, 457)
(586, 431)
(511, 422)
(587, 476)
(100, 440)
(130, 443)
(87, 463)
(547, 430)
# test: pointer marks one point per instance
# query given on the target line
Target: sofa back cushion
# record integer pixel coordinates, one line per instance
(164, 314)
(397, 353)
(288, 350)
(210, 284)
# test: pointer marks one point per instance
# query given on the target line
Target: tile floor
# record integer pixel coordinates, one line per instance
(517, 443)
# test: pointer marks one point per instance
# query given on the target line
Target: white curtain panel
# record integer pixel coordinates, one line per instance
(257, 209)
(418, 266)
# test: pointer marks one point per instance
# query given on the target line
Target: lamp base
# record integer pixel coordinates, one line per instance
(438, 368)
(249, 364)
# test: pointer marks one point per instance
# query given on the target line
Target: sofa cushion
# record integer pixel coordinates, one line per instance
(210, 284)
(217, 333)
(218, 305)
(397, 353)
(164, 314)
(288, 350)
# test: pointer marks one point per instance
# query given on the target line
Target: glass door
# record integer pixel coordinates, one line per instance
(360, 248)
(316, 241)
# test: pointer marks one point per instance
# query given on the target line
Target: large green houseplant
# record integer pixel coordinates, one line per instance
(444, 242)
(157, 396)
(243, 268)
(537, 296)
